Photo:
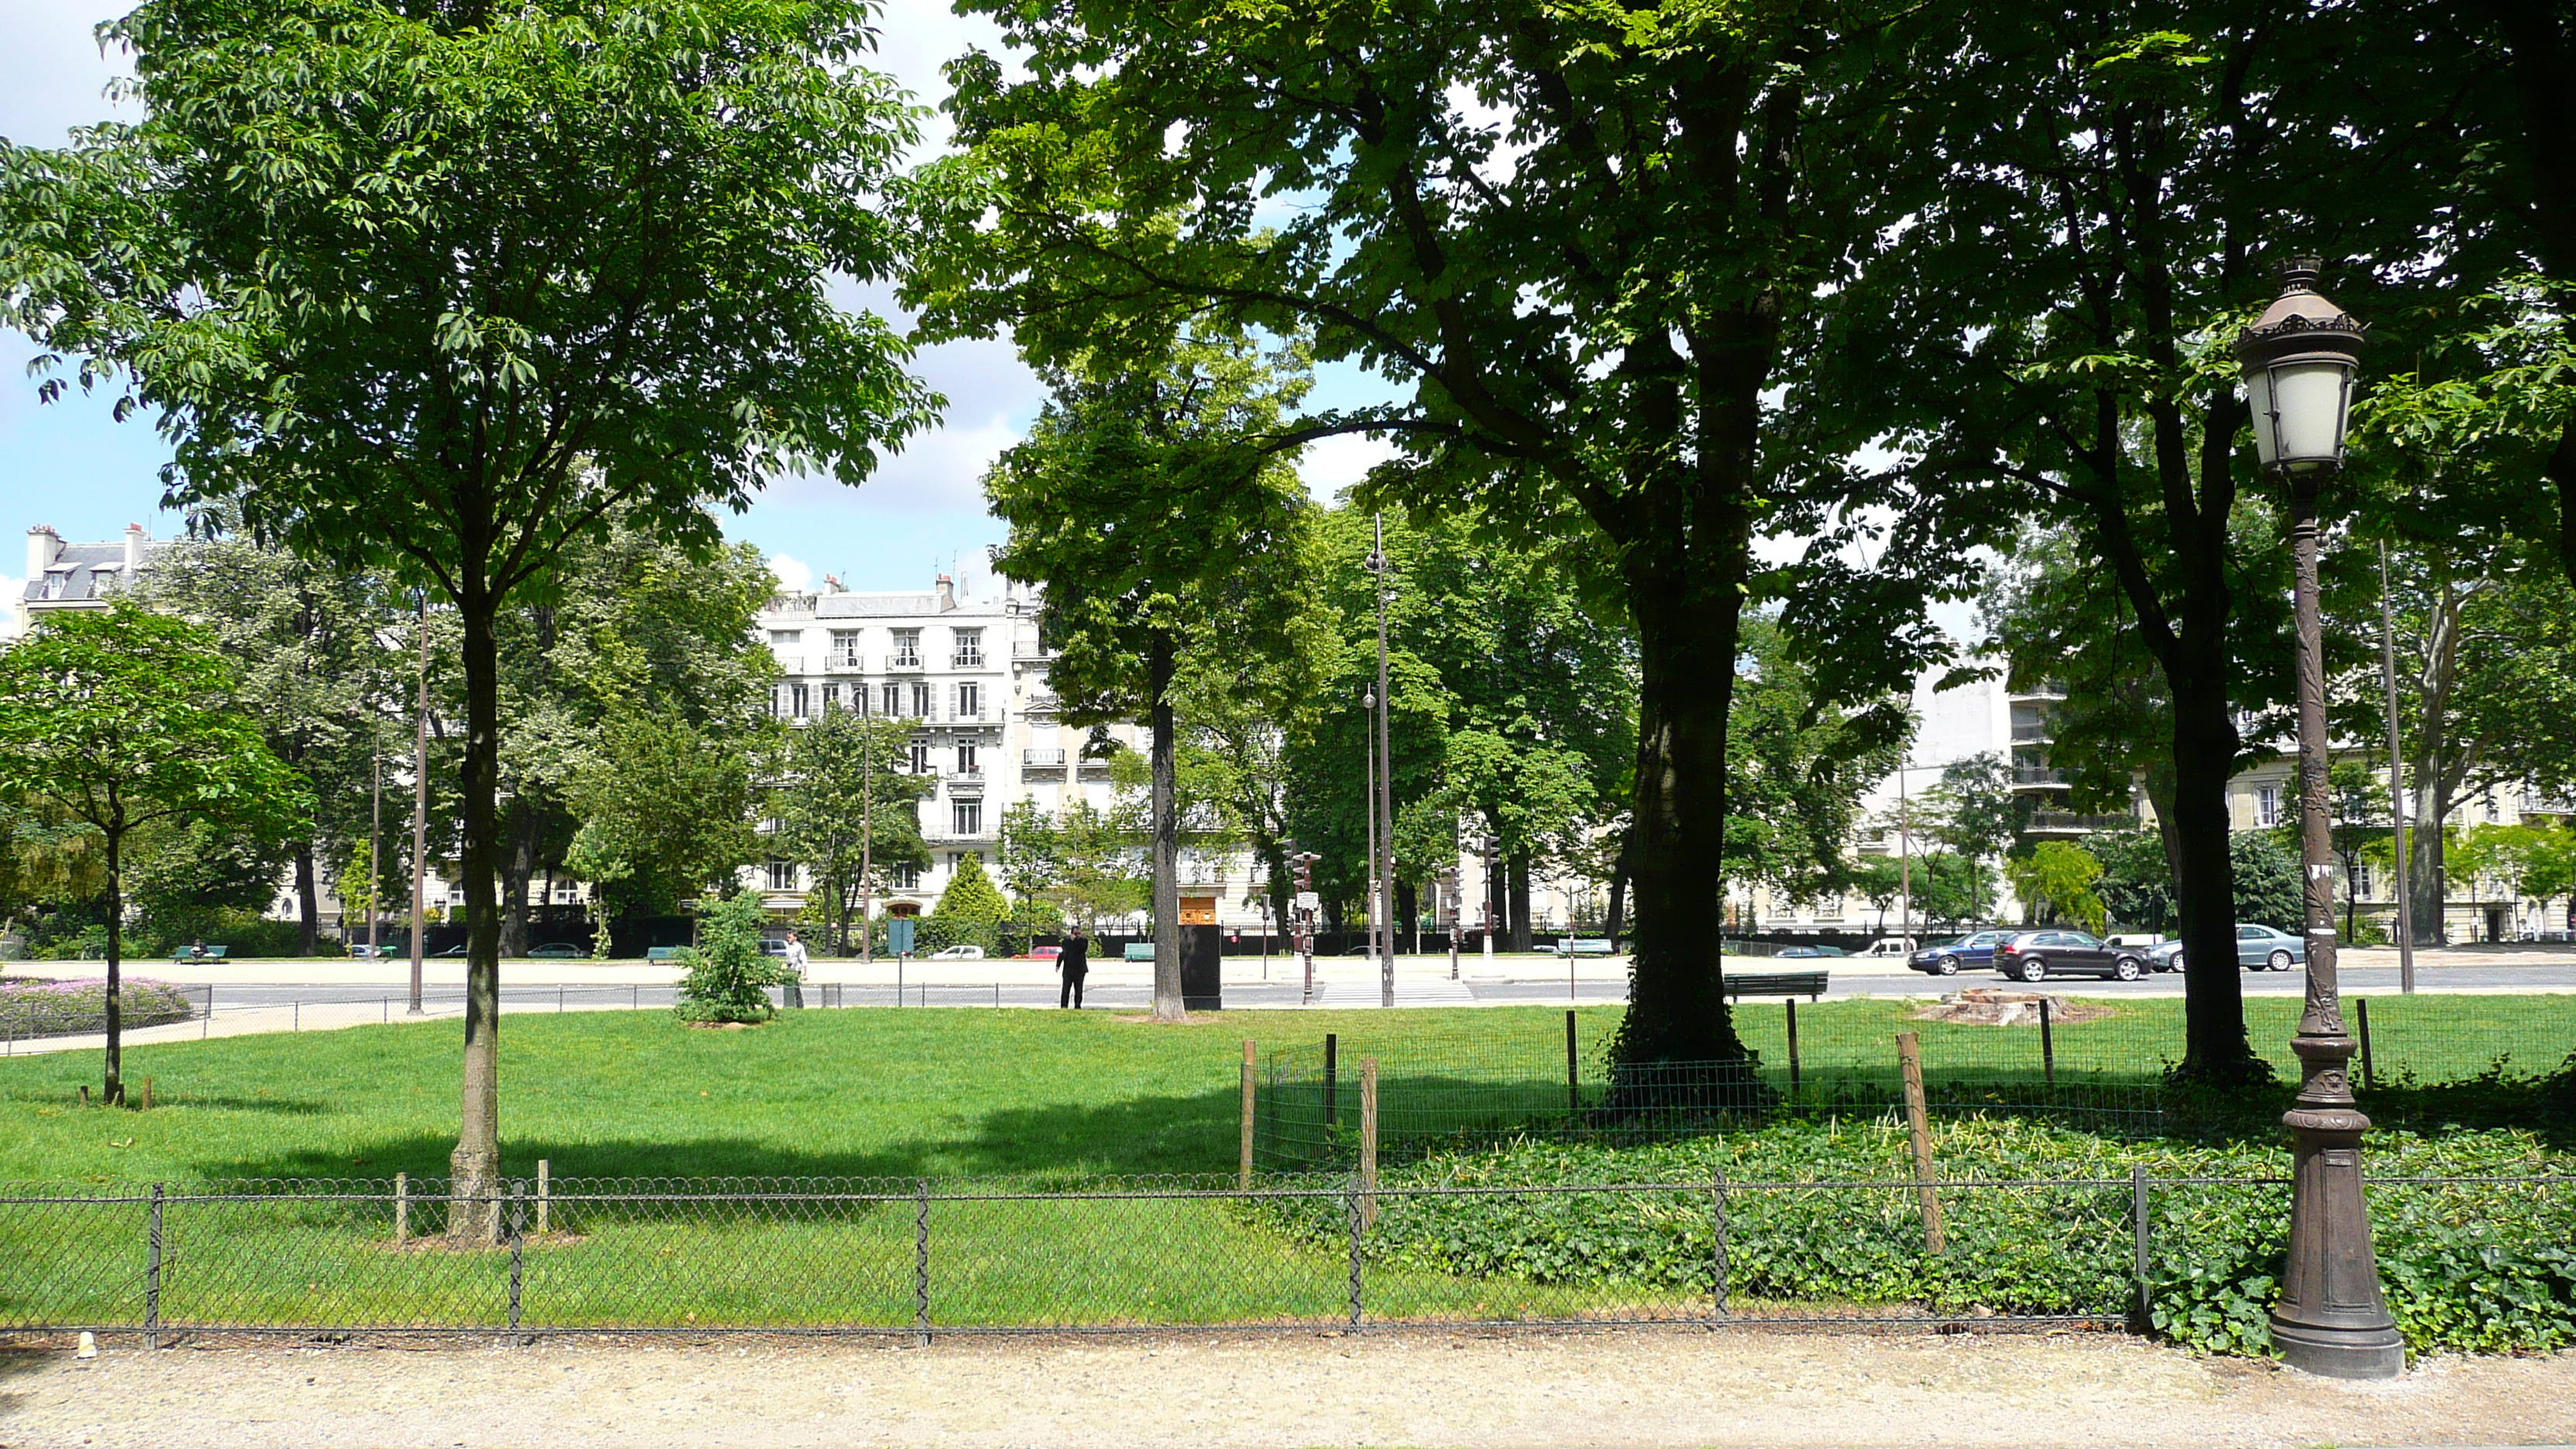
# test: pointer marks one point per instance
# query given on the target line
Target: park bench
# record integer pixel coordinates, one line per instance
(663, 953)
(1581, 946)
(186, 954)
(1140, 950)
(1809, 984)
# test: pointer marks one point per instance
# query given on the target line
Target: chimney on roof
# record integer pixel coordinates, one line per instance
(135, 538)
(43, 547)
(946, 589)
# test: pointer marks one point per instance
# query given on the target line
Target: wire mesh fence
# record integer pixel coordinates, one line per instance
(2084, 1062)
(927, 1257)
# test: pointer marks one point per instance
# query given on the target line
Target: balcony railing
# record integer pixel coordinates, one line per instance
(2031, 732)
(904, 659)
(1042, 759)
(966, 659)
(2037, 775)
(1027, 649)
(2062, 822)
(843, 661)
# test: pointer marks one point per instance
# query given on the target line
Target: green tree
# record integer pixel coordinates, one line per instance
(1974, 809)
(1584, 245)
(1799, 765)
(2137, 880)
(2056, 883)
(970, 911)
(316, 672)
(1141, 504)
(848, 808)
(2267, 874)
(724, 975)
(123, 719)
(665, 809)
(444, 287)
(1082, 861)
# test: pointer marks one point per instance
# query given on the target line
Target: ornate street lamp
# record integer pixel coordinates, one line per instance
(2331, 1319)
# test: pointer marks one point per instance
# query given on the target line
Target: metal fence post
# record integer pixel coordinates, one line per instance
(518, 1265)
(152, 1272)
(1717, 1246)
(2138, 1212)
(2047, 1045)
(1351, 1198)
(2361, 1018)
(921, 1261)
(1792, 1007)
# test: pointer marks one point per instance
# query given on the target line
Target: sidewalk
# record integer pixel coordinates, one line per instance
(1618, 1390)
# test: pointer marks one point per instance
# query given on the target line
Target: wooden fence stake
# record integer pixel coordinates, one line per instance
(2047, 1045)
(1244, 1174)
(1573, 1082)
(1909, 1059)
(402, 1207)
(1793, 1047)
(147, 1094)
(1368, 1142)
(1332, 1079)
(545, 1195)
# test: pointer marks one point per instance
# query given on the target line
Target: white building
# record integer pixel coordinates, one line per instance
(80, 575)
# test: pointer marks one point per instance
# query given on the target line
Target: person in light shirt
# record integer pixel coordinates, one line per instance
(795, 996)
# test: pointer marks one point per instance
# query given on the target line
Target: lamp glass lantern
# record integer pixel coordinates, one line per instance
(2298, 360)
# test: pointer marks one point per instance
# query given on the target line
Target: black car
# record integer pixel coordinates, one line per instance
(1950, 957)
(2037, 955)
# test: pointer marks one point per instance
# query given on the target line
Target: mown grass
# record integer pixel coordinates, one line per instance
(952, 1095)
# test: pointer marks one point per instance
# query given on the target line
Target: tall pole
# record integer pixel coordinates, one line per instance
(2331, 1316)
(1368, 802)
(376, 855)
(867, 826)
(1904, 862)
(1385, 767)
(420, 806)
(2396, 781)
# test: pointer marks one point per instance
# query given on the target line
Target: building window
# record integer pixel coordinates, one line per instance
(845, 648)
(969, 816)
(906, 877)
(2367, 887)
(921, 757)
(782, 875)
(799, 700)
(2493, 814)
(907, 649)
(966, 764)
(831, 698)
(786, 638)
(2267, 806)
(970, 701)
(892, 706)
(968, 652)
(921, 699)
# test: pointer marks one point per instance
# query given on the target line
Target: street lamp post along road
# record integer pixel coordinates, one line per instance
(2332, 1317)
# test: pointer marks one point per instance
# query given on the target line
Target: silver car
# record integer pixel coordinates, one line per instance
(2258, 948)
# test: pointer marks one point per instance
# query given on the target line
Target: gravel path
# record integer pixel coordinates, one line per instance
(1742, 1387)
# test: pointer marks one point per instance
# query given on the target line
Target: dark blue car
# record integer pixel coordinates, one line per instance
(1951, 957)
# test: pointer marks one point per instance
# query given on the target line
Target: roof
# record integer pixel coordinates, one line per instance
(89, 572)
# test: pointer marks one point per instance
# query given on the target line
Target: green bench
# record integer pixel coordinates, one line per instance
(1809, 984)
(663, 953)
(1140, 950)
(187, 954)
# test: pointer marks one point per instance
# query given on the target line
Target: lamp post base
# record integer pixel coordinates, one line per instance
(2340, 1353)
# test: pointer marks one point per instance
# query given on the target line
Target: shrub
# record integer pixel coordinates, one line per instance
(726, 970)
(2468, 1267)
(71, 1008)
(970, 911)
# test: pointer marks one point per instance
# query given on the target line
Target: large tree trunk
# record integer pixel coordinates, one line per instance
(1167, 837)
(308, 904)
(475, 1165)
(1618, 892)
(1686, 640)
(112, 1088)
(518, 868)
(2427, 887)
(2215, 1048)
(1516, 872)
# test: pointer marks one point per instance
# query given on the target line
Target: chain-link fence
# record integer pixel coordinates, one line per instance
(924, 1257)
(2083, 1062)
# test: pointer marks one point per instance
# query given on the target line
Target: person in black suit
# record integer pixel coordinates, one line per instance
(1074, 960)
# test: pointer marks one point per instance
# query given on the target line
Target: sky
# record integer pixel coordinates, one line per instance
(69, 464)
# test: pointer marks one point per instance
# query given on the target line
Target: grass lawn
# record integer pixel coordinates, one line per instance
(870, 1093)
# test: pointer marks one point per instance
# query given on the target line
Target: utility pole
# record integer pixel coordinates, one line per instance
(1377, 565)
(1368, 802)
(1302, 933)
(2396, 782)
(1904, 862)
(867, 826)
(420, 805)
(376, 855)
(1449, 888)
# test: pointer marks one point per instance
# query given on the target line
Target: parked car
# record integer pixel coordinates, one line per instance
(774, 946)
(957, 953)
(1949, 958)
(559, 951)
(2258, 948)
(2034, 956)
(1045, 953)
(1891, 946)
(1800, 952)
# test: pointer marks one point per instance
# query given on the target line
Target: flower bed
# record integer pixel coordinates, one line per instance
(73, 1008)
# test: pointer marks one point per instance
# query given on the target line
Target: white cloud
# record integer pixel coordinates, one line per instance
(11, 591)
(793, 574)
(1333, 464)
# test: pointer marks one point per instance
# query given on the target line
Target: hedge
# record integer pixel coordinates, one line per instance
(71, 1008)
(2473, 1268)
